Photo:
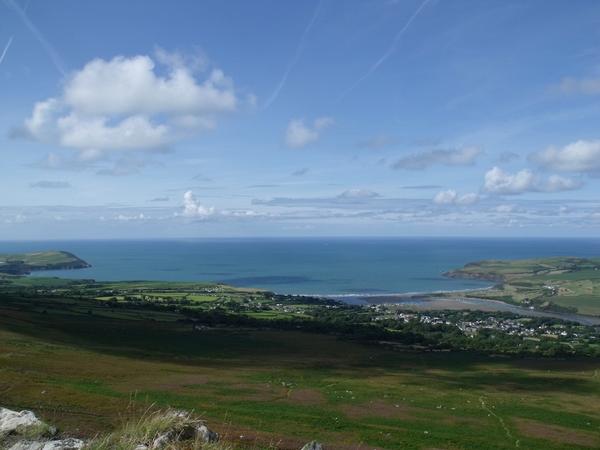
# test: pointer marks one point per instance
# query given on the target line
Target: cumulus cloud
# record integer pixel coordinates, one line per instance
(455, 157)
(299, 134)
(193, 208)
(47, 184)
(126, 103)
(498, 181)
(579, 156)
(451, 197)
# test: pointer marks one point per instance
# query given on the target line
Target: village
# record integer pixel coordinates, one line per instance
(472, 323)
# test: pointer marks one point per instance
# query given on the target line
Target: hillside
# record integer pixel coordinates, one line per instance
(25, 263)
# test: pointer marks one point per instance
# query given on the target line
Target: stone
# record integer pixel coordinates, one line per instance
(59, 444)
(22, 423)
(206, 435)
(163, 440)
(313, 445)
(64, 444)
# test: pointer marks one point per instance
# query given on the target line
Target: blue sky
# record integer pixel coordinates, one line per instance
(271, 118)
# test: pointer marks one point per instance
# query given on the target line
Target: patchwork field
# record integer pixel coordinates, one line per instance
(559, 283)
(88, 372)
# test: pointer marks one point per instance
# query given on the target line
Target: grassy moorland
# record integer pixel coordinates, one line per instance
(565, 283)
(86, 364)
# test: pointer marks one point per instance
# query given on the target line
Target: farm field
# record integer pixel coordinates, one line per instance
(88, 372)
(571, 284)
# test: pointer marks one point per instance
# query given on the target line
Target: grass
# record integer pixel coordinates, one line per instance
(91, 373)
(151, 425)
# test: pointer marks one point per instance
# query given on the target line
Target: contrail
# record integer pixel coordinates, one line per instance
(296, 57)
(5, 49)
(389, 51)
(56, 60)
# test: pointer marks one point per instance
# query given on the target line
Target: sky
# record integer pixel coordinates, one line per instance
(149, 119)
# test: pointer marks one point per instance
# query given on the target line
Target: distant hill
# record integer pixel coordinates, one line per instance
(562, 284)
(25, 263)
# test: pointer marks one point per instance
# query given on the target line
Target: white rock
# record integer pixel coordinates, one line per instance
(206, 435)
(63, 444)
(28, 445)
(13, 422)
(313, 445)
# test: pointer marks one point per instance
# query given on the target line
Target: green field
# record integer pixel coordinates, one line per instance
(87, 368)
(561, 283)
(24, 263)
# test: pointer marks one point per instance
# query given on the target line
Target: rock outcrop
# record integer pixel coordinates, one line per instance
(22, 430)
(184, 429)
(22, 423)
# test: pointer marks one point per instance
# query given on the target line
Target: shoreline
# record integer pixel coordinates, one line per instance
(402, 294)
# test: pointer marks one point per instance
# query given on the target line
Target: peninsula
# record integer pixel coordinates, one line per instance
(567, 284)
(25, 263)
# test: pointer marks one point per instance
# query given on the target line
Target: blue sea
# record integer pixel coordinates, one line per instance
(325, 266)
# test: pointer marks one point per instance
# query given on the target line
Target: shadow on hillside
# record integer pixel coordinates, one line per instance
(231, 347)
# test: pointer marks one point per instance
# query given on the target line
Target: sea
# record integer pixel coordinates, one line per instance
(344, 267)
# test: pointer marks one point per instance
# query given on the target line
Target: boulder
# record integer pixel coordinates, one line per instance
(206, 435)
(190, 432)
(164, 440)
(313, 445)
(23, 423)
(62, 444)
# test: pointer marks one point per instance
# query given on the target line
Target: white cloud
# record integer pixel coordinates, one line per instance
(93, 135)
(129, 86)
(505, 209)
(579, 156)
(455, 157)
(468, 199)
(451, 197)
(498, 181)
(126, 104)
(127, 218)
(299, 135)
(193, 208)
(557, 183)
(358, 194)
